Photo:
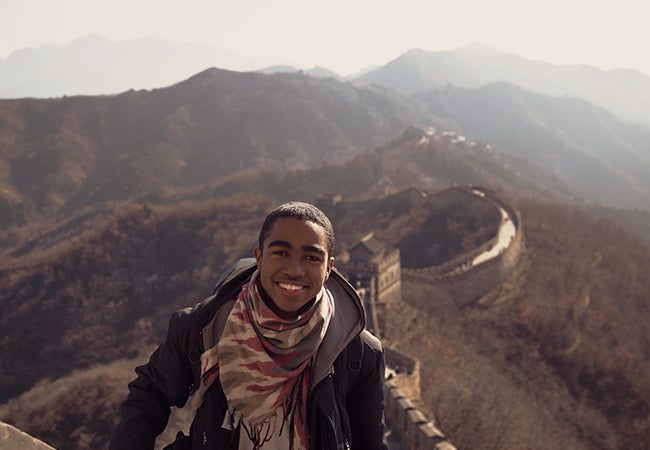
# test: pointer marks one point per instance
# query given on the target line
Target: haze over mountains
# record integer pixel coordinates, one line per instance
(604, 159)
(117, 209)
(93, 65)
(624, 92)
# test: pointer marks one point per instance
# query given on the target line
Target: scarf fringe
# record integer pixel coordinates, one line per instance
(293, 404)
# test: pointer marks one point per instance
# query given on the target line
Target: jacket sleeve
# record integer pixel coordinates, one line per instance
(165, 381)
(365, 401)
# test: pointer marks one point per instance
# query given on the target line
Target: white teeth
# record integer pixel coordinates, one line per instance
(290, 287)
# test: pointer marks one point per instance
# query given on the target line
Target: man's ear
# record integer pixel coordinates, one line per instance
(258, 256)
(330, 264)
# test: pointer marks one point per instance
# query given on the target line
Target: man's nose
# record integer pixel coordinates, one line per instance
(295, 267)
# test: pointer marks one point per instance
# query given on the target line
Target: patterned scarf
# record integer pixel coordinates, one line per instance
(263, 364)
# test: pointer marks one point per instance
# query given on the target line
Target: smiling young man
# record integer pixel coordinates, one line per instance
(277, 358)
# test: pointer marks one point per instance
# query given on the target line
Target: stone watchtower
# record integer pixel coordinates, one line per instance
(374, 269)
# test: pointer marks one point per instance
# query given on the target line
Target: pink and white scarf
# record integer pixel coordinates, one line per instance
(263, 362)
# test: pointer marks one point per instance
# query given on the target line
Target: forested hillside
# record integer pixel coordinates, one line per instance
(566, 334)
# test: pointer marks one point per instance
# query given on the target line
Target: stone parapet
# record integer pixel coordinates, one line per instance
(11, 438)
(411, 426)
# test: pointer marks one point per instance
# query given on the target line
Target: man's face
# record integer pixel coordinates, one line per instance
(293, 263)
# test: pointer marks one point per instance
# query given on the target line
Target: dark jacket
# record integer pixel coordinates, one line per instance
(345, 403)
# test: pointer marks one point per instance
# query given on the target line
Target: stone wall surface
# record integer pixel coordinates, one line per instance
(11, 438)
(403, 372)
(409, 425)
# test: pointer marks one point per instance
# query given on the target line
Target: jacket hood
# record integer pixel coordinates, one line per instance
(348, 320)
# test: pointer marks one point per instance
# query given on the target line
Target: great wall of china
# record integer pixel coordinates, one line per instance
(464, 279)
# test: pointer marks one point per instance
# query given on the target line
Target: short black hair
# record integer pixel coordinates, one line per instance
(301, 211)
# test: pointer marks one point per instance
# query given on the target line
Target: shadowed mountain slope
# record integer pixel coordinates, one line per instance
(416, 157)
(70, 152)
(59, 155)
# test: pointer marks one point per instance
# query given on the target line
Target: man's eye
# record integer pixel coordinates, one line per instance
(313, 258)
(280, 252)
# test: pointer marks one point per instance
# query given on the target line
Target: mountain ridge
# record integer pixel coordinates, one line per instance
(85, 149)
(626, 92)
(27, 72)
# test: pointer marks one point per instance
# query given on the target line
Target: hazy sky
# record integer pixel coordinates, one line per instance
(346, 36)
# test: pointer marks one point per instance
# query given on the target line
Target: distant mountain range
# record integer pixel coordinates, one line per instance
(314, 71)
(93, 65)
(626, 93)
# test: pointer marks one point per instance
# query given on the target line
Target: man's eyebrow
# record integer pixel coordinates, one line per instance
(279, 243)
(313, 249)
(305, 248)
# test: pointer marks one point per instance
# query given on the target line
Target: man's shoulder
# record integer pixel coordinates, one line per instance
(364, 343)
(227, 287)
(241, 269)
(370, 340)
(361, 357)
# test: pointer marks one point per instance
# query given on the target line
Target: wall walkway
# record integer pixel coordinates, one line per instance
(473, 274)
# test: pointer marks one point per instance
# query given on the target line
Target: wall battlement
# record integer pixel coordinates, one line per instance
(410, 425)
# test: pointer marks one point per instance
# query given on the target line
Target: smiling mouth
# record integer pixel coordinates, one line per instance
(290, 286)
